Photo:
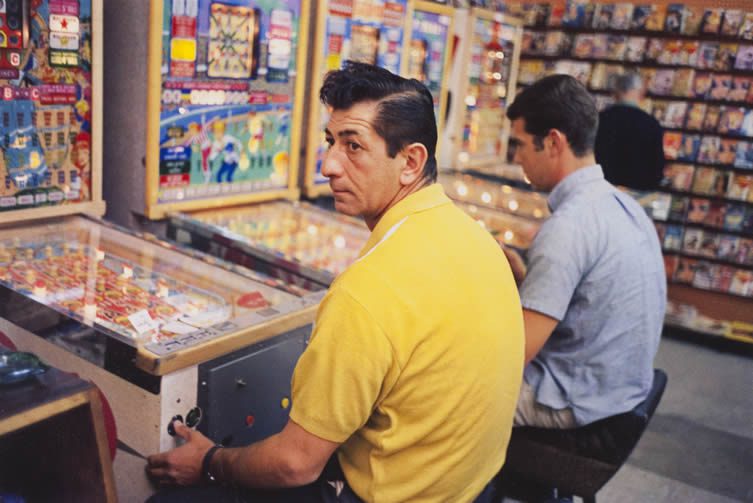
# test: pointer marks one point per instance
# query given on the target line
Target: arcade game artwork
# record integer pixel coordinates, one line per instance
(45, 110)
(428, 54)
(369, 31)
(228, 99)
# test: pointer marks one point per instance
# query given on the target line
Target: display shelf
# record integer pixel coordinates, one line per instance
(507, 229)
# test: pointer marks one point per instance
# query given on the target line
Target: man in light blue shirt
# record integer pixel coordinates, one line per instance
(594, 289)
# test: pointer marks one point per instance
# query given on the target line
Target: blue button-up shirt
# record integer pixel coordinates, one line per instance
(596, 267)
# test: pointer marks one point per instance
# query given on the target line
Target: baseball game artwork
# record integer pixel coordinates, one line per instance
(227, 78)
(45, 109)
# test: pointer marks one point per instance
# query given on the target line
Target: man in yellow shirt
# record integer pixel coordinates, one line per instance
(413, 370)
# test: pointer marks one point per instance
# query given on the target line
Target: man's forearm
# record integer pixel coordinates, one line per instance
(265, 464)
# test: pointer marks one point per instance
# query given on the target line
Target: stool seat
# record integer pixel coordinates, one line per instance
(578, 461)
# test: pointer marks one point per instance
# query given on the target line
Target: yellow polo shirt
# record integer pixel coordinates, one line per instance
(416, 358)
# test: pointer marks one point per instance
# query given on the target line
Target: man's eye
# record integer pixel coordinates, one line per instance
(330, 142)
(352, 146)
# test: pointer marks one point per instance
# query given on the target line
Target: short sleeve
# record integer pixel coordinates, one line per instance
(338, 379)
(555, 268)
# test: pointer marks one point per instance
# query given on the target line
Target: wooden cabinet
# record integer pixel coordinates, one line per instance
(53, 444)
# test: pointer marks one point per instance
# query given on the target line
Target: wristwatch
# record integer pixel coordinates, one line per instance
(206, 463)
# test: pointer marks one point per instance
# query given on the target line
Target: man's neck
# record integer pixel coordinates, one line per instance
(402, 193)
(573, 164)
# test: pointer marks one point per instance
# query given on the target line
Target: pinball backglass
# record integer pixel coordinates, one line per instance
(50, 79)
(224, 103)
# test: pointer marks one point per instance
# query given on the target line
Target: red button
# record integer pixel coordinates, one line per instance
(249, 420)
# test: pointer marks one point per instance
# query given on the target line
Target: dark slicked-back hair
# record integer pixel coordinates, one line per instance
(405, 110)
(558, 102)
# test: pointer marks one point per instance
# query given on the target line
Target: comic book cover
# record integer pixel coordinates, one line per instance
(675, 115)
(556, 13)
(673, 19)
(678, 176)
(740, 187)
(673, 237)
(701, 85)
(654, 50)
(704, 275)
(747, 225)
(672, 143)
(688, 53)
(641, 13)
(670, 52)
(670, 266)
(530, 71)
(727, 151)
(622, 16)
(683, 82)
(598, 80)
(711, 119)
(635, 47)
(698, 209)
(712, 20)
(728, 246)
(691, 20)
(742, 283)
(655, 21)
(709, 150)
(746, 28)
(731, 120)
(662, 83)
(733, 20)
(603, 16)
(616, 46)
(553, 43)
(707, 55)
(689, 147)
(647, 75)
(744, 58)
(542, 12)
(744, 155)
(691, 240)
(599, 50)
(695, 115)
(659, 110)
(583, 45)
(733, 217)
(581, 71)
(678, 208)
(709, 245)
(704, 181)
(720, 86)
(723, 278)
(725, 57)
(716, 214)
(575, 13)
(740, 88)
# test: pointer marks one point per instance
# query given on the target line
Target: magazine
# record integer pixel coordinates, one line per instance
(675, 114)
(728, 246)
(733, 217)
(701, 85)
(641, 13)
(689, 148)
(691, 241)
(744, 155)
(673, 19)
(712, 20)
(720, 86)
(655, 21)
(740, 88)
(707, 55)
(711, 119)
(678, 176)
(691, 20)
(622, 16)
(746, 28)
(635, 48)
(673, 237)
(733, 20)
(698, 208)
(672, 143)
(727, 151)
(709, 149)
(683, 82)
(704, 181)
(731, 120)
(725, 57)
(744, 59)
(716, 214)
(695, 115)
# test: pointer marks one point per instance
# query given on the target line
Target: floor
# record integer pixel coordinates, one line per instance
(699, 445)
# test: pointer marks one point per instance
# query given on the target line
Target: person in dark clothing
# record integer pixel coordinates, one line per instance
(629, 141)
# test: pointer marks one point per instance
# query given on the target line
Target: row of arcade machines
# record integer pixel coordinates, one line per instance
(203, 131)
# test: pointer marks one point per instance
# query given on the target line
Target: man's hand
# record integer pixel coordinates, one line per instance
(516, 264)
(182, 465)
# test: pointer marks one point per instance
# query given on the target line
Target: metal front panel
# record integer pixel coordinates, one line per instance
(245, 396)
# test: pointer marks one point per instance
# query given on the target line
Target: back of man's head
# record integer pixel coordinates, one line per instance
(405, 112)
(627, 84)
(558, 102)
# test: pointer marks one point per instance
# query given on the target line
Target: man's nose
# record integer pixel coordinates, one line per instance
(332, 162)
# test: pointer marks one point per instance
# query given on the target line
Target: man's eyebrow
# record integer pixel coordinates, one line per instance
(348, 132)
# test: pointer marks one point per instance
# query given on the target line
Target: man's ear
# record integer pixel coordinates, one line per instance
(558, 141)
(416, 156)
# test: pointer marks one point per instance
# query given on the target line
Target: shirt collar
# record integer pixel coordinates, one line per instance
(423, 199)
(572, 183)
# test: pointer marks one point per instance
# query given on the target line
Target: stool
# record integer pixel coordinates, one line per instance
(575, 462)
